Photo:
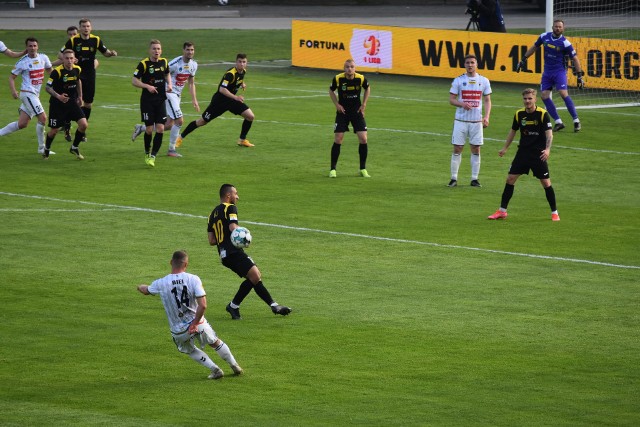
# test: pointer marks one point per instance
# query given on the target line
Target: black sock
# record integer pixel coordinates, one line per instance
(147, 142)
(551, 197)
(507, 193)
(77, 139)
(67, 127)
(246, 125)
(263, 293)
(243, 291)
(157, 143)
(335, 154)
(87, 112)
(363, 150)
(190, 128)
(48, 142)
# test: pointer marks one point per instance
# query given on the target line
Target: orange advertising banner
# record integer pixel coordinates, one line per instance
(612, 64)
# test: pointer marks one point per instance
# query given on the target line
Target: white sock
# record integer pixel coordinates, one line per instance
(224, 352)
(10, 128)
(475, 166)
(40, 134)
(202, 358)
(456, 159)
(173, 135)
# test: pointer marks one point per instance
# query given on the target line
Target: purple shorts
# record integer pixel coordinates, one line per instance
(557, 79)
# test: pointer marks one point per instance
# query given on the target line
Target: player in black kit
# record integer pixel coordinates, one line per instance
(225, 99)
(65, 88)
(153, 77)
(222, 221)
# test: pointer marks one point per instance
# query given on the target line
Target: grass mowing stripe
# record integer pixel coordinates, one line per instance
(336, 233)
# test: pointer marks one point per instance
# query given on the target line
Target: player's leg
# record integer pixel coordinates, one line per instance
(476, 139)
(173, 123)
(208, 335)
(248, 117)
(458, 139)
(255, 277)
(541, 171)
(360, 128)
(54, 115)
(340, 126)
(571, 108)
(41, 126)
(185, 344)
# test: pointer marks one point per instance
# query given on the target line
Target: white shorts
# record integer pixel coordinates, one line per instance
(185, 342)
(31, 104)
(463, 130)
(173, 106)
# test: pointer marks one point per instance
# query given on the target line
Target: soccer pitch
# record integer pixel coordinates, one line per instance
(410, 308)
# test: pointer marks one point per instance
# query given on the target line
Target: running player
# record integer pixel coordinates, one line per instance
(31, 68)
(469, 93)
(65, 88)
(225, 99)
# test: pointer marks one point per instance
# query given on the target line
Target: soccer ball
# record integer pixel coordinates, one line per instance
(240, 237)
(223, 2)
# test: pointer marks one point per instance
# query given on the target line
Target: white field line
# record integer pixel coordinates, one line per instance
(131, 107)
(335, 233)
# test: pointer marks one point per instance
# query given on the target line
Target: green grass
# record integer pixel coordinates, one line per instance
(410, 308)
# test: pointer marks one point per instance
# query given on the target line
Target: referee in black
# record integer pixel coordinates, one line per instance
(536, 135)
(153, 77)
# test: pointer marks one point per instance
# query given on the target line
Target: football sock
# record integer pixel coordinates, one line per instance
(202, 358)
(263, 293)
(551, 108)
(335, 154)
(147, 142)
(224, 352)
(67, 126)
(507, 193)
(157, 143)
(363, 150)
(48, 142)
(456, 159)
(77, 138)
(190, 128)
(10, 128)
(571, 107)
(475, 165)
(243, 291)
(175, 132)
(246, 125)
(40, 134)
(551, 197)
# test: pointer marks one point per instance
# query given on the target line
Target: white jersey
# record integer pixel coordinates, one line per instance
(178, 293)
(470, 90)
(32, 72)
(180, 73)
(3, 47)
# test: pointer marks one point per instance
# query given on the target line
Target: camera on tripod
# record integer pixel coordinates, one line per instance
(473, 11)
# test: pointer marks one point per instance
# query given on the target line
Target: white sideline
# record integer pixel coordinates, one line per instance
(336, 233)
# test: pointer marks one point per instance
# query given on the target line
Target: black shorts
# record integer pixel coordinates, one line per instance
(153, 111)
(529, 159)
(217, 108)
(238, 262)
(355, 118)
(60, 114)
(88, 89)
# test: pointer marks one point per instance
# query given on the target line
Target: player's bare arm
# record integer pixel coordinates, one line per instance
(334, 98)
(226, 92)
(12, 86)
(143, 289)
(212, 238)
(507, 143)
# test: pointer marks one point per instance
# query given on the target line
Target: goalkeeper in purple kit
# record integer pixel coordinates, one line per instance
(556, 48)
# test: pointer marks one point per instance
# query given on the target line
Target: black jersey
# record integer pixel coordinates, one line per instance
(532, 128)
(62, 81)
(154, 74)
(349, 90)
(85, 50)
(232, 81)
(219, 220)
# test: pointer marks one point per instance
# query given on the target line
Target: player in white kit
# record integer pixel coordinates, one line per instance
(469, 93)
(185, 302)
(11, 54)
(183, 71)
(31, 68)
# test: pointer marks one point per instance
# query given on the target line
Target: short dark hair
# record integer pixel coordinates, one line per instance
(83, 20)
(30, 39)
(187, 44)
(72, 28)
(241, 56)
(224, 189)
(179, 258)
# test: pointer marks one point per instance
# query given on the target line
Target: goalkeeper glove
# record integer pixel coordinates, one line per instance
(580, 76)
(522, 64)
